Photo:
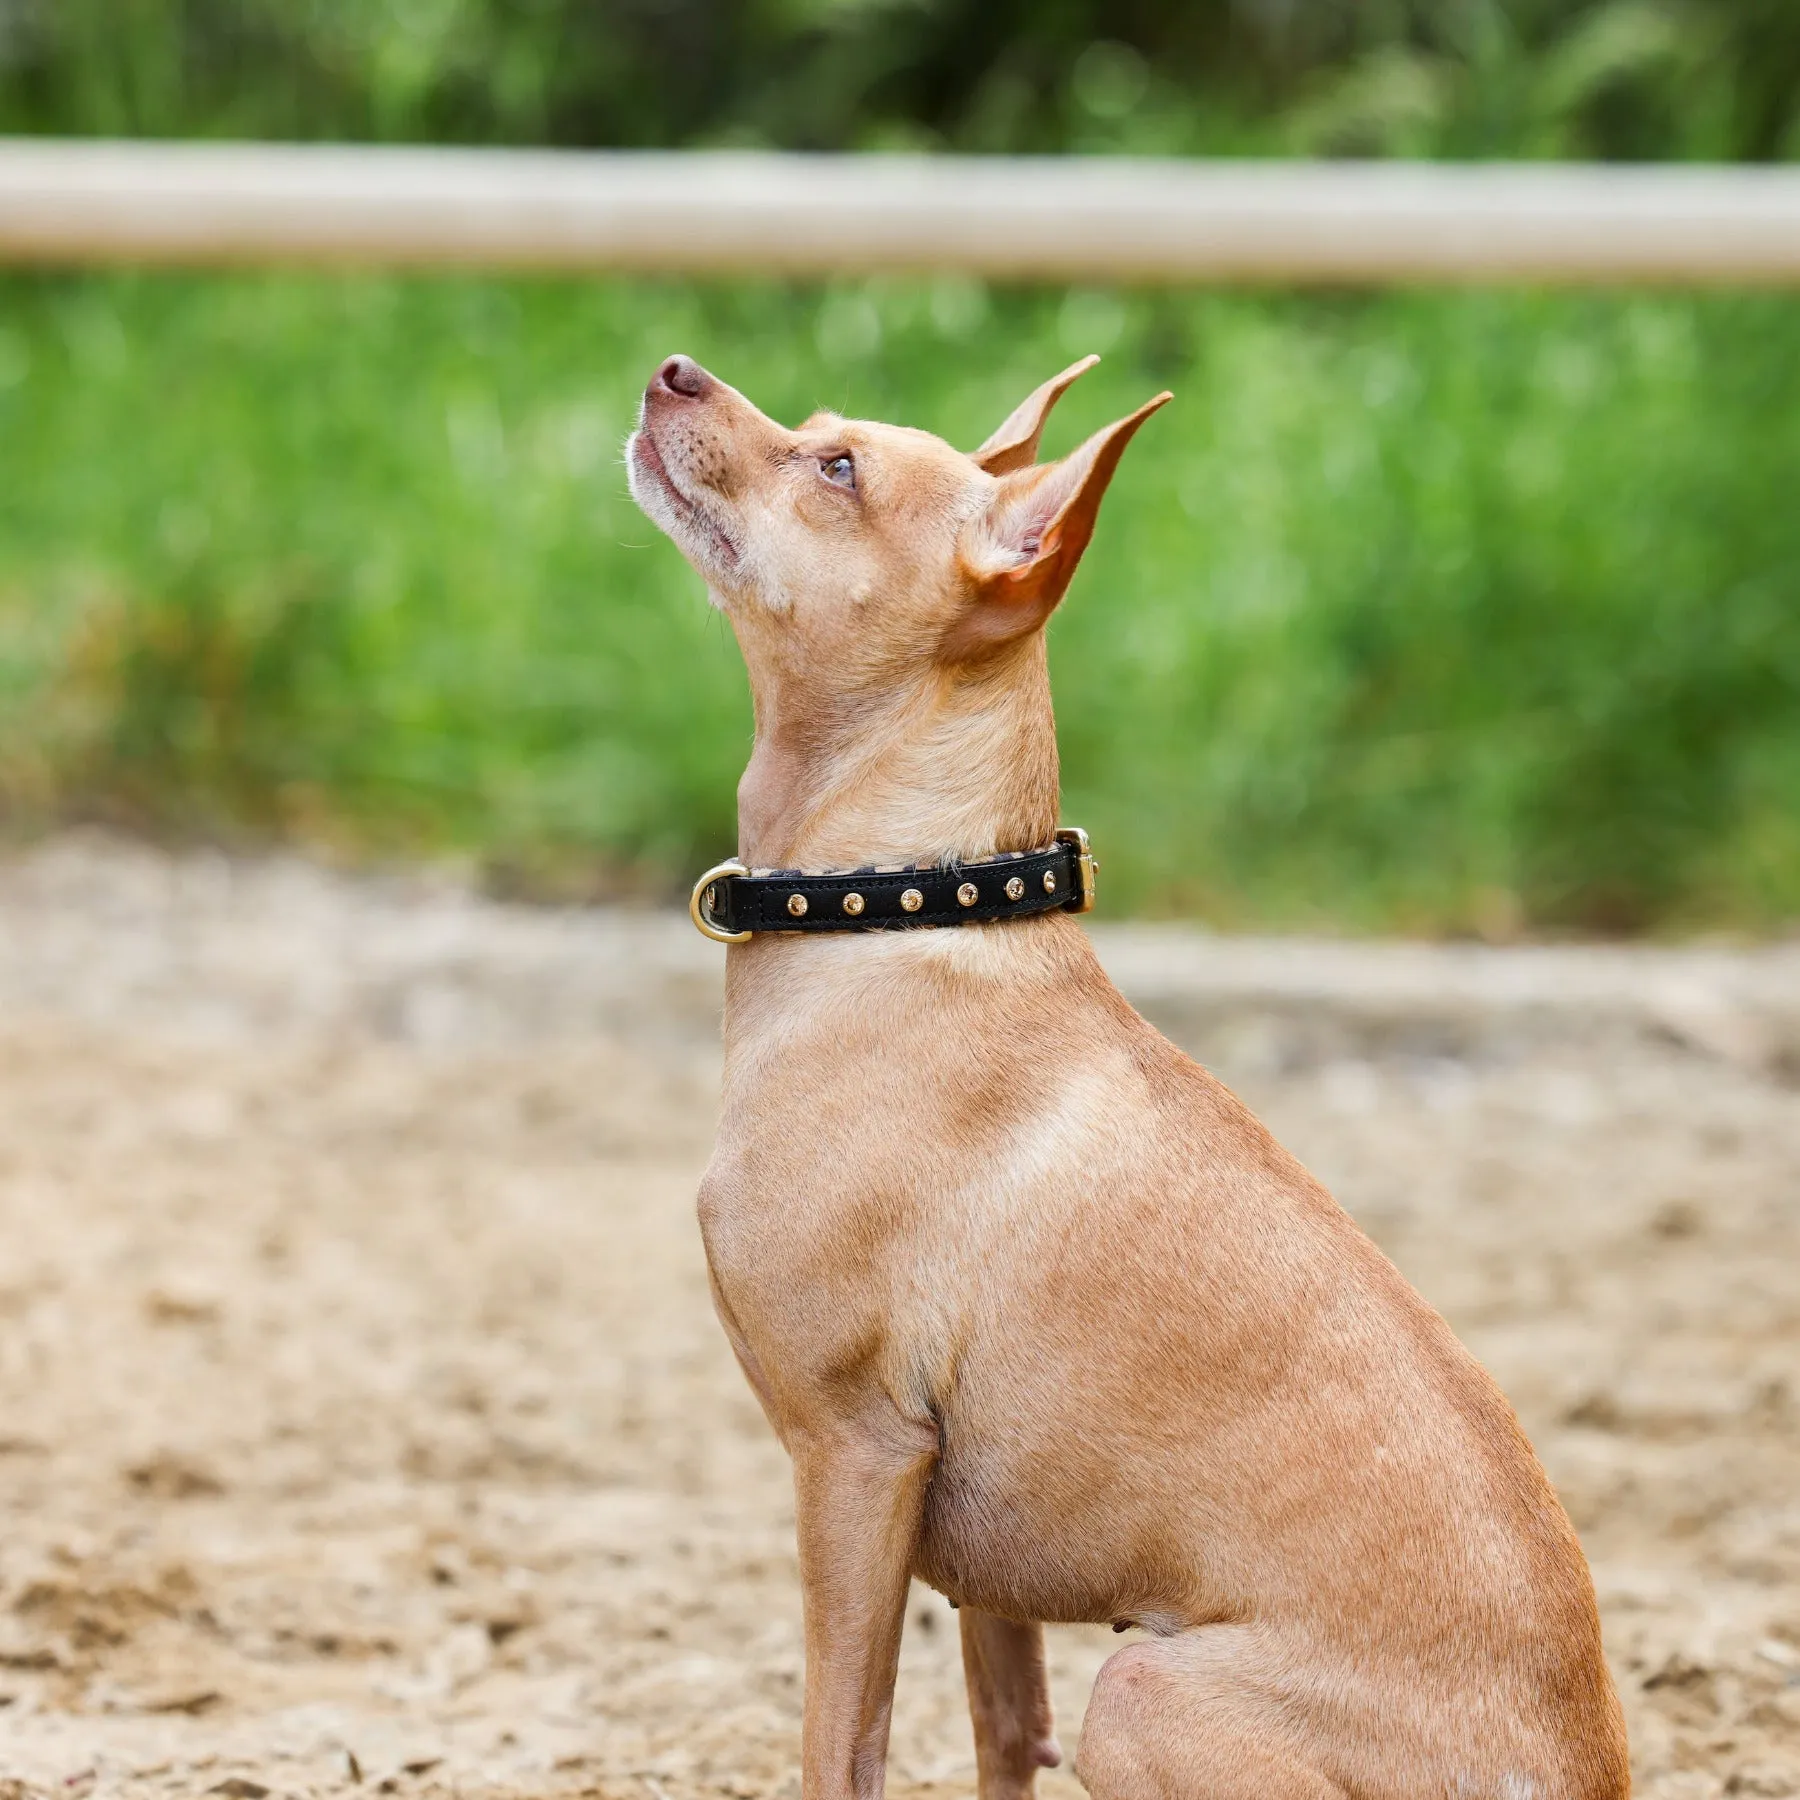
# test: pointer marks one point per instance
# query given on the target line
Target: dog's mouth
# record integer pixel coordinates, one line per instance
(647, 463)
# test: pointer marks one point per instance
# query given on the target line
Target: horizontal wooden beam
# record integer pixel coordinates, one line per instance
(1080, 219)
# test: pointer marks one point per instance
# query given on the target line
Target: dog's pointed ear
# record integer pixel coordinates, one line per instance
(1020, 551)
(1014, 445)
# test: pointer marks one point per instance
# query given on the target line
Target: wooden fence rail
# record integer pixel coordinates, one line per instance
(1082, 219)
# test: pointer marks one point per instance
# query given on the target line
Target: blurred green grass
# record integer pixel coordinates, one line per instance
(1472, 612)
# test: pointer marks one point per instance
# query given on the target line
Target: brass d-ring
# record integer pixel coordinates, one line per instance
(698, 904)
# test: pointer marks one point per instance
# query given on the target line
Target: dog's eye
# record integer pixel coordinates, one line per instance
(840, 469)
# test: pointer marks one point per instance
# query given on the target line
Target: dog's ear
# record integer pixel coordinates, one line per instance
(1020, 552)
(1014, 445)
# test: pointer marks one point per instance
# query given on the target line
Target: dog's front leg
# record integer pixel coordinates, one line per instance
(1009, 1702)
(859, 1496)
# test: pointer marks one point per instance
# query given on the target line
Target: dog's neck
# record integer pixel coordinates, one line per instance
(958, 764)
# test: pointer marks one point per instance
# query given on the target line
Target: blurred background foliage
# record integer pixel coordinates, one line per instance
(1422, 78)
(1606, 78)
(1432, 612)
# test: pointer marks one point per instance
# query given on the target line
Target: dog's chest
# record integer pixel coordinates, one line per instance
(817, 1257)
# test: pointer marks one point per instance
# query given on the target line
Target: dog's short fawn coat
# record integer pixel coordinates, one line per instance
(1043, 1315)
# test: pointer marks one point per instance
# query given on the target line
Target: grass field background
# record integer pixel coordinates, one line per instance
(1443, 612)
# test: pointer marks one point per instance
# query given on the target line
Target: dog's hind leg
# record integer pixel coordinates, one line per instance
(1174, 1719)
(1009, 1701)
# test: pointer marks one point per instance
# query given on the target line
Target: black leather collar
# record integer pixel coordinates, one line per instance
(730, 904)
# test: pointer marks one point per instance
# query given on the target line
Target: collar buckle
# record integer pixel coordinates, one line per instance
(1085, 866)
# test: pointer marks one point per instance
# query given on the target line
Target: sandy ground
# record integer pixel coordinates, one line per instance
(363, 1421)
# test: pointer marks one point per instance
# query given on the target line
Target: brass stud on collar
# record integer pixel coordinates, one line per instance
(1049, 881)
(853, 904)
(967, 894)
(911, 900)
(1015, 889)
(797, 905)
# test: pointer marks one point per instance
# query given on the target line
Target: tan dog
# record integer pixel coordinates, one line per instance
(1043, 1315)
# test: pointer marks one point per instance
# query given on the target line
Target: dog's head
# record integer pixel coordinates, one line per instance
(861, 546)
(888, 593)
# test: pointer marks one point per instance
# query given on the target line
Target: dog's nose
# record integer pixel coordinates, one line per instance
(682, 375)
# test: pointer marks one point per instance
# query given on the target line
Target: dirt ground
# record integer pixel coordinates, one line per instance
(363, 1422)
